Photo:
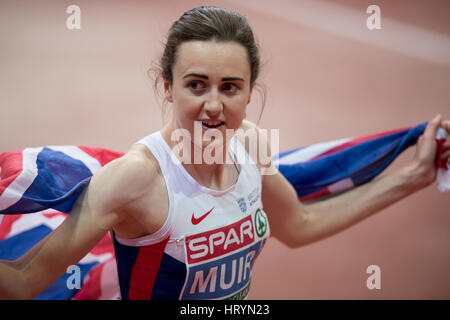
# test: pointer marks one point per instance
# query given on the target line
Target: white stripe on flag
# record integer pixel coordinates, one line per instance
(341, 185)
(310, 152)
(109, 281)
(443, 178)
(17, 188)
(33, 220)
(89, 258)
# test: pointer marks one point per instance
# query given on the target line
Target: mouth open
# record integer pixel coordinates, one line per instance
(212, 125)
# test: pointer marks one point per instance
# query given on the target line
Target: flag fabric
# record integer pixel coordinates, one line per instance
(46, 182)
(331, 167)
(34, 179)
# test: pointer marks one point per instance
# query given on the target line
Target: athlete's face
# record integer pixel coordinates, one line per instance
(210, 87)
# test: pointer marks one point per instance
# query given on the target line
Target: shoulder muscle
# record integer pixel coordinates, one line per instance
(256, 142)
(121, 181)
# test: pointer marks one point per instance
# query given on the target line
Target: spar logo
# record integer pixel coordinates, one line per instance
(210, 244)
(220, 260)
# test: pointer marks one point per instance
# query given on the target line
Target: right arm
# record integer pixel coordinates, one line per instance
(98, 209)
(44, 263)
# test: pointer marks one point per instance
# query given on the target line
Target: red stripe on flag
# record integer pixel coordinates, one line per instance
(440, 163)
(6, 224)
(103, 246)
(145, 270)
(320, 193)
(358, 140)
(54, 214)
(91, 289)
(102, 155)
(11, 166)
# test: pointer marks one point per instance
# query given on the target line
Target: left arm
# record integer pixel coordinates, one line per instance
(297, 224)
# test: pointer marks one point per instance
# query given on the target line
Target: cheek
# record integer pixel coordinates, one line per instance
(187, 108)
(236, 113)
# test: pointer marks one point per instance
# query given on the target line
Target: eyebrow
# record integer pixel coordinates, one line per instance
(206, 77)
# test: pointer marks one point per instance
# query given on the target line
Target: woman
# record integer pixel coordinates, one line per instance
(178, 226)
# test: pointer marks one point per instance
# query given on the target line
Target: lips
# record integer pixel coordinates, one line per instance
(212, 124)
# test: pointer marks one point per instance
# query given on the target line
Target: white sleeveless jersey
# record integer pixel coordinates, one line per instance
(208, 244)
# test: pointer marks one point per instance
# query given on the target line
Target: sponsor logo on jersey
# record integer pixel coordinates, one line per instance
(195, 220)
(210, 244)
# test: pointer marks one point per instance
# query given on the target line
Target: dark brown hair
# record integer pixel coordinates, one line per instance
(209, 23)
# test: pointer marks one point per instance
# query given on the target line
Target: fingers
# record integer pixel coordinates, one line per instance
(446, 144)
(446, 125)
(431, 129)
(446, 154)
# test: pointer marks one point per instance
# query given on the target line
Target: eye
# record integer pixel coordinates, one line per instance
(230, 87)
(196, 86)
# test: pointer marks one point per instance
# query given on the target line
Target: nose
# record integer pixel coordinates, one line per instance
(213, 104)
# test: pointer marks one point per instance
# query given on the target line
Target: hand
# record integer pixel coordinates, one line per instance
(424, 162)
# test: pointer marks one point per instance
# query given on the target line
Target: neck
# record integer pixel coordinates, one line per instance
(211, 166)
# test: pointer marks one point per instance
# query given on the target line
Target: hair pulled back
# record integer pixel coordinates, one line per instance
(208, 23)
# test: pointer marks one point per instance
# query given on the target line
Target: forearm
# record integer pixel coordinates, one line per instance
(333, 215)
(15, 282)
(12, 284)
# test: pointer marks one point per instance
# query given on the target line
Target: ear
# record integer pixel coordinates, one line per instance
(168, 91)
(250, 95)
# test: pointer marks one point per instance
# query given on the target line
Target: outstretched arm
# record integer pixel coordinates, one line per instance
(47, 260)
(99, 208)
(298, 224)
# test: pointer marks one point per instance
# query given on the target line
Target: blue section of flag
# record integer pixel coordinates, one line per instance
(59, 181)
(360, 162)
(59, 289)
(15, 246)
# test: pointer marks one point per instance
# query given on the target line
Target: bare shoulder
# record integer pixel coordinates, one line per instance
(253, 133)
(256, 143)
(124, 179)
(246, 125)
